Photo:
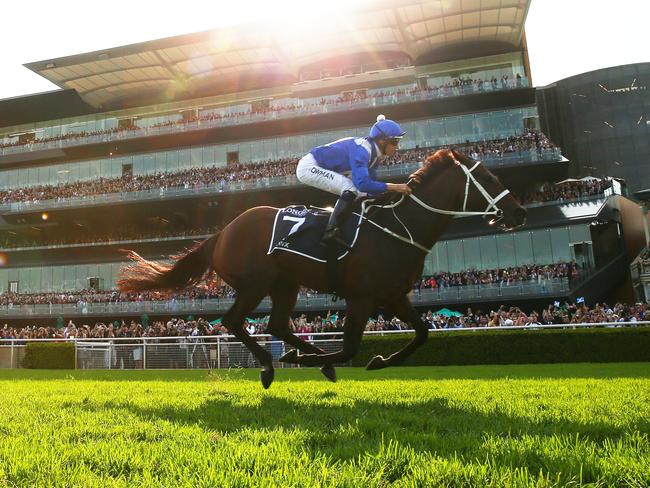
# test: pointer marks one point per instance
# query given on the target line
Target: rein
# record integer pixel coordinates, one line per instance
(492, 204)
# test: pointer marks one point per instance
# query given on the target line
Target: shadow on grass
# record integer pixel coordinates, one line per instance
(350, 431)
(519, 371)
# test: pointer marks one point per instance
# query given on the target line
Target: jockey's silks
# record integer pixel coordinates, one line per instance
(356, 155)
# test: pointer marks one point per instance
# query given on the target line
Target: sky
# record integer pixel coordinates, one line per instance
(565, 37)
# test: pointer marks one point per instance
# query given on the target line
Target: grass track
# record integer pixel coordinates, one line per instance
(530, 425)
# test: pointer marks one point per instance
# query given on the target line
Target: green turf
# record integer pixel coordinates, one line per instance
(538, 425)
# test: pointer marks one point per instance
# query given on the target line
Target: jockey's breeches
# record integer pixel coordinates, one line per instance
(309, 173)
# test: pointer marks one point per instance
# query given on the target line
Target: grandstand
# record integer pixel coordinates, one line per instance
(601, 121)
(155, 145)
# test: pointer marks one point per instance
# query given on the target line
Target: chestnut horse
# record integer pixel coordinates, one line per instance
(380, 270)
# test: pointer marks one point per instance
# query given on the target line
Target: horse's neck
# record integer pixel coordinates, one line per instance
(425, 226)
(439, 192)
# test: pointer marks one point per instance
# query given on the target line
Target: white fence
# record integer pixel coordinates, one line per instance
(184, 353)
(208, 352)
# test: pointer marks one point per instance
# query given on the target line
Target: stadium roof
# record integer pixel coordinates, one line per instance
(177, 66)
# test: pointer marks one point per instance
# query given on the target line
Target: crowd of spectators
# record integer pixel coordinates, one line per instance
(549, 192)
(80, 298)
(27, 141)
(529, 140)
(569, 191)
(220, 176)
(456, 87)
(162, 181)
(556, 313)
(213, 289)
(504, 277)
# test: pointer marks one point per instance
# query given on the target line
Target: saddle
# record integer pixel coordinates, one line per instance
(298, 229)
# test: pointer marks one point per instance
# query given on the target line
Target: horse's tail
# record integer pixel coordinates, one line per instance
(188, 269)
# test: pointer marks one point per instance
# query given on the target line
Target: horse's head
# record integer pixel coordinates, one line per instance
(479, 190)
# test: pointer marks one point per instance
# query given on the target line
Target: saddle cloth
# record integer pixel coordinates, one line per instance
(298, 229)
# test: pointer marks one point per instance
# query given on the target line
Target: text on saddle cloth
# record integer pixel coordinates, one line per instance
(299, 229)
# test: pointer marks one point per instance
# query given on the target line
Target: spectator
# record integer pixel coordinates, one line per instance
(455, 87)
(177, 327)
(211, 176)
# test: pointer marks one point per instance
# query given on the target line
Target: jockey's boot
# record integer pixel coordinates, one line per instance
(342, 210)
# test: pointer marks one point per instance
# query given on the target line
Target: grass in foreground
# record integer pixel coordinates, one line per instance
(538, 425)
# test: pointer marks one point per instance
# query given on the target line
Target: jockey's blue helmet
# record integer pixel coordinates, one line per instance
(385, 129)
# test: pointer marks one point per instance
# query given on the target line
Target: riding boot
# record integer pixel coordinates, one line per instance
(342, 210)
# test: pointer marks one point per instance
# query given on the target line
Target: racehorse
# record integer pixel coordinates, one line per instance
(379, 271)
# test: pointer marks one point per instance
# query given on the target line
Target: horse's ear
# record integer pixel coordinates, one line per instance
(454, 156)
(461, 157)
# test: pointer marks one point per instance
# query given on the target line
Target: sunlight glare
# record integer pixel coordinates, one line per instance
(284, 19)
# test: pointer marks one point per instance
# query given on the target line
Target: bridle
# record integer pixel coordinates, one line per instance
(491, 209)
(492, 202)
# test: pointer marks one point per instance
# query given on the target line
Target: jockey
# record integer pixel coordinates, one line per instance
(326, 167)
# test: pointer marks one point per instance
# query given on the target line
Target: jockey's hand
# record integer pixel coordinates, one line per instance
(399, 188)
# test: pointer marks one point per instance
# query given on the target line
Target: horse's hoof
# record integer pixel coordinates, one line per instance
(377, 362)
(329, 372)
(290, 357)
(266, 376)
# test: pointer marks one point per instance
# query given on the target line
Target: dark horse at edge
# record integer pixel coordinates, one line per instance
(379, 271)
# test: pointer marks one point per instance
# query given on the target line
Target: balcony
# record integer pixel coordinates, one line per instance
(281, 113)
(224, 187)
(461, 294)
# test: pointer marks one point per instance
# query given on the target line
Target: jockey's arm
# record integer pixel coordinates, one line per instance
(394, 187)
(363, 178)
(361, 175)
(399, 188)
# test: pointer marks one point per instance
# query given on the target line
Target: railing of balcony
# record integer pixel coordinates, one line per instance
(285, 113)
(385, 172)
(107, 242)
(552, 288)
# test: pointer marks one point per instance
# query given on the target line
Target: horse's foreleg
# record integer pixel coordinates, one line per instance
(404, 311)
(245, 302)
(284, 299)
(358, 312)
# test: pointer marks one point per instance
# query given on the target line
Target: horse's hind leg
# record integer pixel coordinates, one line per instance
(358, 311)
(245, 302)
(284, 297)
(403, 309)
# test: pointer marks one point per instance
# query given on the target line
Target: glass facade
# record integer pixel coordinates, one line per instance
(544, 246)
(422, 133)
(541, 246)
(601, 119)
(43, 279)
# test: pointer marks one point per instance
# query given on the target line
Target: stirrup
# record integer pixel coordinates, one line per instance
(331, 234)
(333, 237)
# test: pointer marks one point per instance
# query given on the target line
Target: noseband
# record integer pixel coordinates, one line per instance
(492, 208)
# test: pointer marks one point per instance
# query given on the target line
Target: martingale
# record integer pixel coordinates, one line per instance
(298, 229)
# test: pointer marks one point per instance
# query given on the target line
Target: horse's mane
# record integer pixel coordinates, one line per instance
(433, 164)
